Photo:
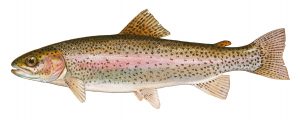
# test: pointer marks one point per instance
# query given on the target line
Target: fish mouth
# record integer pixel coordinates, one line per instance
(23, 72)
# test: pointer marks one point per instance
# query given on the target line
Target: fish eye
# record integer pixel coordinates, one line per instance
(31, 61)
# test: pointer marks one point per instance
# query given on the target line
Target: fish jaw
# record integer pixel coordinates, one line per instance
(20, 71)
(23, 73)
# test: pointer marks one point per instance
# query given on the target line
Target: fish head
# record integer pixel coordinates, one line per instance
(43, 65)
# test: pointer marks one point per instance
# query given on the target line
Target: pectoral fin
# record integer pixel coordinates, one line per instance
(150, 95)
(77, 87)
(217, 87)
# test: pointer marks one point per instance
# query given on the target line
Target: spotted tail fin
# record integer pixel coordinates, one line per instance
(272, 45)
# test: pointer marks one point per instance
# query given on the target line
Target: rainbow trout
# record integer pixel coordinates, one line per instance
(137, 60)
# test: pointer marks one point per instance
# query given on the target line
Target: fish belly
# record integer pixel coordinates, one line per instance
(109, 87)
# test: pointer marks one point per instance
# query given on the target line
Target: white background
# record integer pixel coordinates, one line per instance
(29, 24)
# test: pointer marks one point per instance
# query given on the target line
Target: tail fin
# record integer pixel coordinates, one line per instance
(272, 46)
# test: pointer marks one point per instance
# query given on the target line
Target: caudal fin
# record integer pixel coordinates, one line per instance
(272, 45)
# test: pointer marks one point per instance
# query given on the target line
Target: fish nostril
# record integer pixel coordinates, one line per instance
(13, 63)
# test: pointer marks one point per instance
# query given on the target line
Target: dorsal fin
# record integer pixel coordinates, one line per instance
(217, 87)
(223, 43)
(145, 24)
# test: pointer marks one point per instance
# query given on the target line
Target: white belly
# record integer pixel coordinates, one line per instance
(109, 87)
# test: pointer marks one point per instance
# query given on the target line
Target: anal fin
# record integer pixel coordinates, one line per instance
(218, 87)
(150, 95)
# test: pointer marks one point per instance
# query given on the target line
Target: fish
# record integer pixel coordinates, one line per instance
(140, 61)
